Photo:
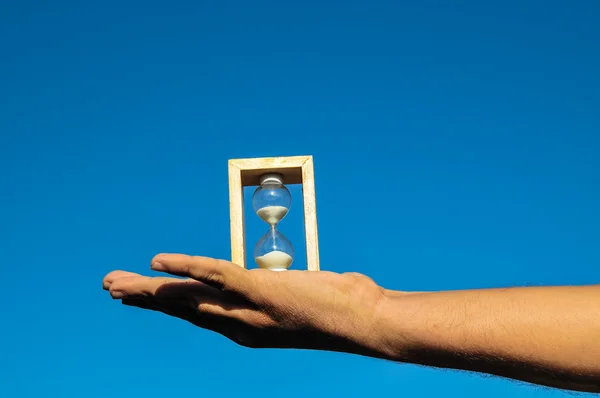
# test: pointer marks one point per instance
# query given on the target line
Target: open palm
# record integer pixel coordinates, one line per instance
(256, 308)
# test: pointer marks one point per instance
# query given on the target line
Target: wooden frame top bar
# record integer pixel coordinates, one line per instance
(290, 167)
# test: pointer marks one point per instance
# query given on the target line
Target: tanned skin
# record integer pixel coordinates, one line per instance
(543, 335)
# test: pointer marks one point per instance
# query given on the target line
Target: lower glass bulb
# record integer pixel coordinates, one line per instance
(274, 251)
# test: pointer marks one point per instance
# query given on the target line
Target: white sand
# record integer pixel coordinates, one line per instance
(272, 214)
(275, 261)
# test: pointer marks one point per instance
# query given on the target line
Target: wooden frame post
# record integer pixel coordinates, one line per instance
(247, 172)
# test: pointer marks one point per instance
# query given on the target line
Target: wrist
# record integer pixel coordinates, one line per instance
(385, 330)
(393, 327)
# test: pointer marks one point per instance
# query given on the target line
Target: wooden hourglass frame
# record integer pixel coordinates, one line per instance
(247, 173)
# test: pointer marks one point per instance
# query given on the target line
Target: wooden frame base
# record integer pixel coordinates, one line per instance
(247, 172)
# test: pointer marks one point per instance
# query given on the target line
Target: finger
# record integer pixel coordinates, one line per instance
(205, 300)
(158, 287)
(112, 276)
(160, 293)
(171, 309)
(220, 274)
(140, 303)
(241, 314)
(205, 320)
(233, 323)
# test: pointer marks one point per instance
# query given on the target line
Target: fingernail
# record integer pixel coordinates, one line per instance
(156, 266)
(116, 294)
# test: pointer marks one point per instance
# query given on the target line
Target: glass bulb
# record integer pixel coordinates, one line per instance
(271, 200)
(274, 251)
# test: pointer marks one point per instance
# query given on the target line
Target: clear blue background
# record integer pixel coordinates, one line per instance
(456, 146)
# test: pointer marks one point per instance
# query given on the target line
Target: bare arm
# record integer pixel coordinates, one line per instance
(543, 335)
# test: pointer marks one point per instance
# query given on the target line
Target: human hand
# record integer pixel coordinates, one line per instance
(259, 308)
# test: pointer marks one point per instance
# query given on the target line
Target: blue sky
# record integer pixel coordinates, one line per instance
(455, 146)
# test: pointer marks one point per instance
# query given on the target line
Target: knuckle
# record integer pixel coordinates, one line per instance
(358, 277)
(187, 269)
(124, 286)
(217, 279)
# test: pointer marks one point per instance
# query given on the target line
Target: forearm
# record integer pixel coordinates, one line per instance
(544, 335)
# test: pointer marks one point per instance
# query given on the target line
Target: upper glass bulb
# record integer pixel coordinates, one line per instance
(271, 200)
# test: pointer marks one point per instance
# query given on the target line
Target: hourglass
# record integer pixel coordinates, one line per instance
(271, 201)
